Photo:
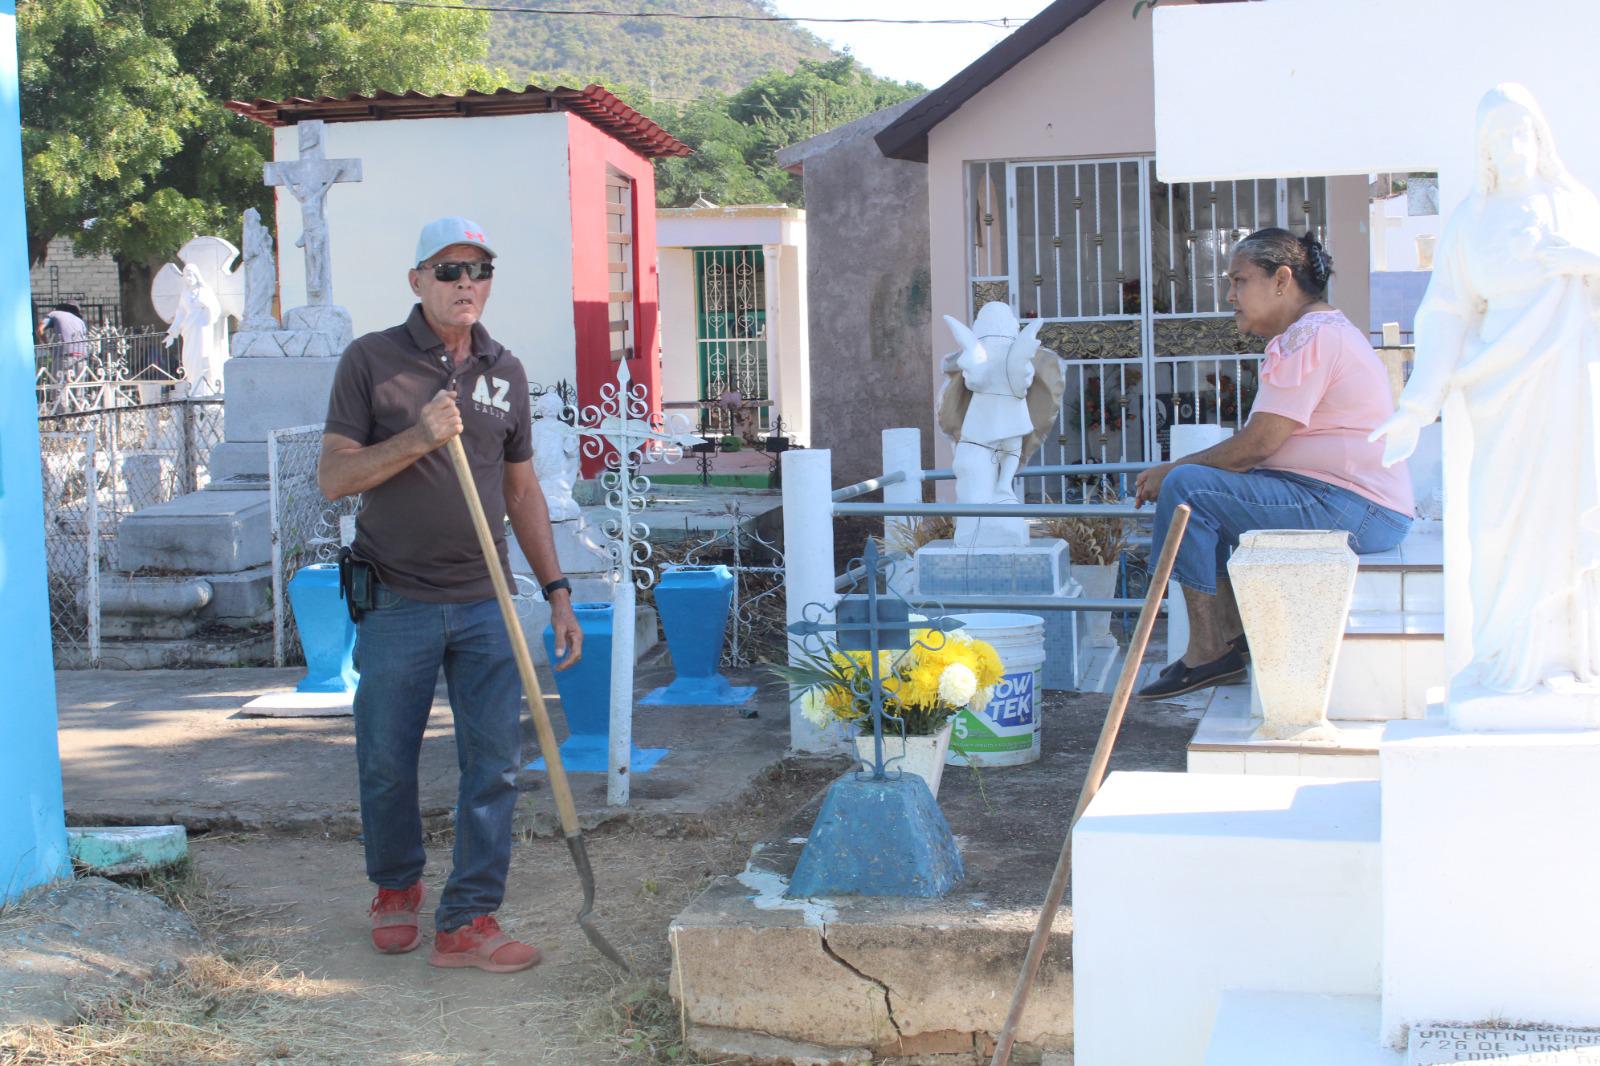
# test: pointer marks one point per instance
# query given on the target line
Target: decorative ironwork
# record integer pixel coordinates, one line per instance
(731, 337)
(1203, 336)
(1113, 339)
(988, 292)
(758, 579)
(876, 622)
(108, 368)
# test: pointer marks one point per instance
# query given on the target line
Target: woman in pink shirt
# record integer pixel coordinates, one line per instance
(1303, 460)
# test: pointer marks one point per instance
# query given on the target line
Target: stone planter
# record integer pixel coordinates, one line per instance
(1294, 589)
(1099, 582)
(923, 756)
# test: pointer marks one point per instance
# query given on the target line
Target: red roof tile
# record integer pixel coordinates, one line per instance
(593, 104)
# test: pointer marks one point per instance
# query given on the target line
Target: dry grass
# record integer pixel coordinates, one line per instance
(906, 537)
(214, 1009)
(222, 1006)
(1091, 541)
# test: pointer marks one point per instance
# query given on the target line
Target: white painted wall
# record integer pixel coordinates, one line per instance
(681, 230)
(1395, 231)
(1411, 111)
(680, 364)
(508, 173)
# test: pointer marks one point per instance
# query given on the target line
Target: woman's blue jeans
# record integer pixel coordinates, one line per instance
(400, 646)
(1226, 504)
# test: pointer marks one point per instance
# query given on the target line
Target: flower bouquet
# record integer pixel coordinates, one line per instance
(923, 689)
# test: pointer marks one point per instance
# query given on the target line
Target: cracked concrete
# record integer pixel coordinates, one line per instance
(922, 980)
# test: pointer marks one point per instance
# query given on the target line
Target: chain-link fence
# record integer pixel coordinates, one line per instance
(99, 467)
(306, 527)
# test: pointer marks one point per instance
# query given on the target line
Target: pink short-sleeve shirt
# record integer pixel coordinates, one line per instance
(1322, 373)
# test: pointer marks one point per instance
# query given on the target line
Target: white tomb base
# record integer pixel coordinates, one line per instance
(1234, 920)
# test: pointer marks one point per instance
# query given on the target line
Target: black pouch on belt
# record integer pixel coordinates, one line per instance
(358, 584)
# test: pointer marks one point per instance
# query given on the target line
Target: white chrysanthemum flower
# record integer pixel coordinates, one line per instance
(957, 685)
(815, 709)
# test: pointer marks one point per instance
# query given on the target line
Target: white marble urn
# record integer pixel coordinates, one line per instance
(1294, 588)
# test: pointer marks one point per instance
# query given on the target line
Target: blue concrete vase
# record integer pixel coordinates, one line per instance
(694, 602)
(586, 697)
(326, 633)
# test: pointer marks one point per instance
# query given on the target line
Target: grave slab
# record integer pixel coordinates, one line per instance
(268, 394)
(202, 532)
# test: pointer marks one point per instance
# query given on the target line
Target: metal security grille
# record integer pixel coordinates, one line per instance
(619, 266)
(731, 330)
(1130, 276)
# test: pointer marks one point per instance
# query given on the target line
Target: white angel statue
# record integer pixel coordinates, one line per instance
(1000, 398)
(555, 457)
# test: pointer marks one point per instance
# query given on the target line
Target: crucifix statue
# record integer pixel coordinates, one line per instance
(309, 178)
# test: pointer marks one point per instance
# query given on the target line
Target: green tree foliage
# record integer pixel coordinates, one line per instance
(126, 144)
(675, 59)
(735, 137)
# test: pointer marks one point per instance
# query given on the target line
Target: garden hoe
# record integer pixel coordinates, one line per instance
(1091, 784)
(541, 718)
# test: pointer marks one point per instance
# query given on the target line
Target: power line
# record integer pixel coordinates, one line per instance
(1003, 23)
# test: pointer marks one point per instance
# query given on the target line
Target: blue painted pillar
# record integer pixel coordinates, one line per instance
(33, 834)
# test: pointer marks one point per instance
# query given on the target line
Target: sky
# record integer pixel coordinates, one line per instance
(926, 54)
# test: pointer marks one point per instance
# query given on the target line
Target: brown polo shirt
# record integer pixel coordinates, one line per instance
(415, 527)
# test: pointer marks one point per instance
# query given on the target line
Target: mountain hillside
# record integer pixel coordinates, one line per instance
(668, 58)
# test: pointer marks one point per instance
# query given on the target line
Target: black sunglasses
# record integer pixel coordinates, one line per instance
(451, 271)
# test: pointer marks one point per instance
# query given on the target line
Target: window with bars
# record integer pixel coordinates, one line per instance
(619, 265)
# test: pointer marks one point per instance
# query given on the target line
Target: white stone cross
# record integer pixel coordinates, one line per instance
(1296, 88)
(309, 178)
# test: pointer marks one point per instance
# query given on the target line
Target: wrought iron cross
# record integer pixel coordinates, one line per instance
(872, 622)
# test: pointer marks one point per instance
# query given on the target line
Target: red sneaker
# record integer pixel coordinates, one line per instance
(394, 919)
(480, 943)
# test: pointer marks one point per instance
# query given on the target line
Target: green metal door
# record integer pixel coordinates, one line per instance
(731, 329)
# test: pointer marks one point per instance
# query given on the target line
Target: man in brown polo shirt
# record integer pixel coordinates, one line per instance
(398, 396)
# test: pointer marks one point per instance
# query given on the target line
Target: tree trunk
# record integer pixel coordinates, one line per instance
(138, 313)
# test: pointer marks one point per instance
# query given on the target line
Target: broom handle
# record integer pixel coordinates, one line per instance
(1091, 784)
(519, 645)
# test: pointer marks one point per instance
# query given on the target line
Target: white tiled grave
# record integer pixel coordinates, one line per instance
(1391, 658)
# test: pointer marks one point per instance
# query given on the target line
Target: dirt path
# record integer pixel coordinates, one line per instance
(292, 977)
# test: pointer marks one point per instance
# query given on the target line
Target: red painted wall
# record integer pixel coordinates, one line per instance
(589, 152)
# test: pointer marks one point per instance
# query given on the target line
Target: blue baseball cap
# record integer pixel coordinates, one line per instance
(441, 233)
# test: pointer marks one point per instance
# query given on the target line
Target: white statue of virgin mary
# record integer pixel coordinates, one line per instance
(1509, 350)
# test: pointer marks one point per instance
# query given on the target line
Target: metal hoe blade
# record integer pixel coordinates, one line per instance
(580, 859)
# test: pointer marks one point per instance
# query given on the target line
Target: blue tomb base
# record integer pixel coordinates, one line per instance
(878, 838)
(589, 753)
(713, 691)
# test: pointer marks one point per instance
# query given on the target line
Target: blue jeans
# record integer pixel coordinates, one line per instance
(1226, 504)
(400, 646)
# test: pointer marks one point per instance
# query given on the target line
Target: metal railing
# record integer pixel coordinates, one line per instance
(108, 368)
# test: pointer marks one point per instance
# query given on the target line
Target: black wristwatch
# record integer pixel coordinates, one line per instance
(556, 586)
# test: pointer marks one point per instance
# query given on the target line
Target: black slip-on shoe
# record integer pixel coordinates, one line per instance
(1178, 679)
(1241, 644)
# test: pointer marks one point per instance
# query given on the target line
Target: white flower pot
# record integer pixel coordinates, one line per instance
(1099, 582)
(1294, 589)
(923, 756)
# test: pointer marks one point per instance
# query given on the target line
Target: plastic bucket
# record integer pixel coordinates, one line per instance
(1007, 731)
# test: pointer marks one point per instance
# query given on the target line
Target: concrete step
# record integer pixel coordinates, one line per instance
(1198, 860)
(1223, 744)
(1255, 1028)
(202, 533)
(1408, 578)
(207, 648)
(1388, 663)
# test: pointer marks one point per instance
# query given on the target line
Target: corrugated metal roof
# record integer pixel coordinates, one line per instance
(593, 104)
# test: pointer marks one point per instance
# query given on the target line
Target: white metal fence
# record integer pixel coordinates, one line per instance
(98, 467)
(109, 368)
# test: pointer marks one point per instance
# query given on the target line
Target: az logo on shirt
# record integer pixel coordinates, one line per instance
(481, 397)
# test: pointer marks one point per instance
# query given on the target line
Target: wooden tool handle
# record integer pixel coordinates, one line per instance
(1091, 783)
(519, 645)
